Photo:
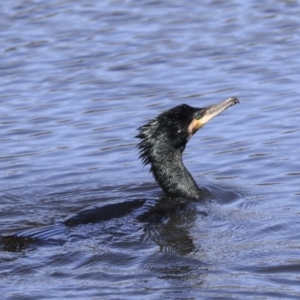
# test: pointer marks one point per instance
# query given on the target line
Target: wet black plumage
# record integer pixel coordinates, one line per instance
(163, 141)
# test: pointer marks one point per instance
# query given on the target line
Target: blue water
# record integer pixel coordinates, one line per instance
(78, 79)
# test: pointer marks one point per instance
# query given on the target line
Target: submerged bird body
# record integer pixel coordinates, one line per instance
(163, 141)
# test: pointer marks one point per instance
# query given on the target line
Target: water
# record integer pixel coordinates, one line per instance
(78, 78)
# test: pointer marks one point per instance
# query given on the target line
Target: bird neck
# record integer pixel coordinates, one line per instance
(171, 174)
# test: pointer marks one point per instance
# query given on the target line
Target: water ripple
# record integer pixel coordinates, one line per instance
(77, 79)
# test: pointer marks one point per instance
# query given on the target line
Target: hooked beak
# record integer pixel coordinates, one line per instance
(214, 110)
(210, 112)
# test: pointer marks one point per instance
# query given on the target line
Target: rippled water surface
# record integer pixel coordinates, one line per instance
(79, 77)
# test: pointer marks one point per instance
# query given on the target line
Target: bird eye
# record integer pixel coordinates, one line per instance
(197, 115)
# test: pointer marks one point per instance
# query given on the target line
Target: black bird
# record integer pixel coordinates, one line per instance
(163, 141)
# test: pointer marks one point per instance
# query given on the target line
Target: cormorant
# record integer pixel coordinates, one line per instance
(163, 141)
